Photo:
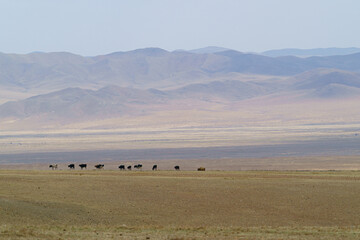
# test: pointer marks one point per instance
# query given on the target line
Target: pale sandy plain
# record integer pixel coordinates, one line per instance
(219, 139)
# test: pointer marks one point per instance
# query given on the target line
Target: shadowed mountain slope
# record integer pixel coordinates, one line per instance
(318, 78)
(339, 91)
(229, 90)
(76, 103)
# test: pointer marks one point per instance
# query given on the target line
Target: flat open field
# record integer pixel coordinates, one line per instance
(69, 140)
(107, 204)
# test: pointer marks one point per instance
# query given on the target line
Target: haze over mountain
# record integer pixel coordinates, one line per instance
(209, 49)
(321, 52)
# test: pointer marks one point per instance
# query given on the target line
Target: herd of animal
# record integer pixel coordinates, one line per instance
(121, 167)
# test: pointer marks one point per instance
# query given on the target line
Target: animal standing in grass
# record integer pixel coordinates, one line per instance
(99, 166)
(83, 165)
(177, 168)
(122, 167)
(154, 168)
(53, 166)
(138, 166)
(71, 166)
(201, 169)
(129, 168)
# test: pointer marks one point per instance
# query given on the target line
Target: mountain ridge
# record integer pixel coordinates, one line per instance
(76, 104)
(310, 52)
(150, 68)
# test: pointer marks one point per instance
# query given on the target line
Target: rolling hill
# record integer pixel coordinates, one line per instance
(77, 104)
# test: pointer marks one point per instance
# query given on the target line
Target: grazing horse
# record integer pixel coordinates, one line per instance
(71, 166)
(201, 169)
(177, 168)
(53, 166)
(138, 166)
(122, 167)
(99, 166)
(129, 167)
(154, 167)
(83, 165)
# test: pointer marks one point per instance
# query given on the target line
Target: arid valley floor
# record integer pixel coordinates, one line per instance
(107, 204)
(262, 181)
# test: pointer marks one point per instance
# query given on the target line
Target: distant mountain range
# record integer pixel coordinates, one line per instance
(318, 52)
(150, 68)
(76, 88)
(321, 52)
(77, 104)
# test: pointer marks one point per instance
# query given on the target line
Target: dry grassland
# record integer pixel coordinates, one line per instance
(179, 205)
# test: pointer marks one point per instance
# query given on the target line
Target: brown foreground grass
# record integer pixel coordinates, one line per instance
(179, 205)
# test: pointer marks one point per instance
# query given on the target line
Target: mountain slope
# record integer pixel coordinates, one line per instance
(319, 78)
(76, 103)
(227, 90)
(336, 91)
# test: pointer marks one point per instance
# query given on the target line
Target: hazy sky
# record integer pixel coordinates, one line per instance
(93, 27)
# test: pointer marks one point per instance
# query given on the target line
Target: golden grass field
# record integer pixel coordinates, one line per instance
(109, 204)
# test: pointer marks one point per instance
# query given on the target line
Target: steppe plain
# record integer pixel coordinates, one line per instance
(279, 138)
(288, 180)
(179, 205)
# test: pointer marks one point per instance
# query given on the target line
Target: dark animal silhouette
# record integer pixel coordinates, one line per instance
(53, 166)
(177, 168)
(99, 166)
(154, 167)
(71, 166)
(138, 166)
(129, 167)
(122, 167)
(201, 169)
(83, 165)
